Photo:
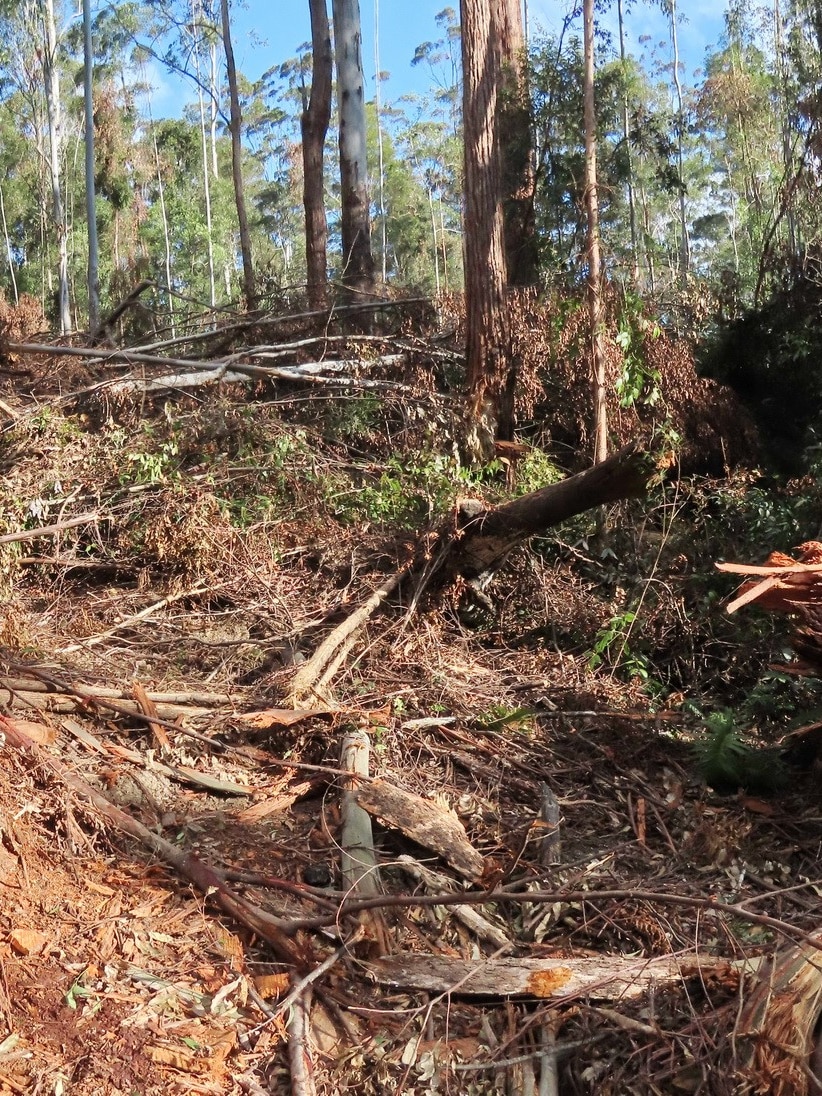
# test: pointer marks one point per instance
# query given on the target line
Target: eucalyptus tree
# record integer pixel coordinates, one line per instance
(737, 111)
(358, 260)
(91, 196)
(235, 126)
(314, 122)
(592, 248)
(488, 338)
(54, 109)
(32, 62)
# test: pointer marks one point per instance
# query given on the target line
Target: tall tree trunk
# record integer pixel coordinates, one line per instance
(213, 106)
(9, 254)
(195, 33)
(629, 186)
(487, 333)
(380, 149)
(516, 147)
(52, 87)
(594, 265)
(684, 238)
(358, 262)
(314, 127)
(235, 125)
(91, 196)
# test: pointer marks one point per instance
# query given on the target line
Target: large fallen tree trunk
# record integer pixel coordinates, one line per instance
(486, 536)
(478, 546)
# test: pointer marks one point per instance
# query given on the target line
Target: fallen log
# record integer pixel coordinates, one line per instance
(603, 977)
(479, 544)
(485, 537)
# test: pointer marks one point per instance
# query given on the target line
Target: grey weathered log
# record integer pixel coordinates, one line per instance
(605, 977)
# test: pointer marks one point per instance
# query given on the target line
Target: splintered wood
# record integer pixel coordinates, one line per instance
(784, 584)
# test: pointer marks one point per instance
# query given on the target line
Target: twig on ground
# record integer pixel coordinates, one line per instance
(150, 610)
(299, 1047)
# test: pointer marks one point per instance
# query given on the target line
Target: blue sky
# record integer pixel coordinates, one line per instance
(266, 34)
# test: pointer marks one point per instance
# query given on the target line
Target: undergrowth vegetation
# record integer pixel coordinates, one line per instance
(179, 488)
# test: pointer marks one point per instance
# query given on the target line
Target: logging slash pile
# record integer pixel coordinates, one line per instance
(311, 781)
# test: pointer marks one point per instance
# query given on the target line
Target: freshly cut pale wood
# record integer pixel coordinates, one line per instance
(434, 827)
(470, 917)
(602, 977)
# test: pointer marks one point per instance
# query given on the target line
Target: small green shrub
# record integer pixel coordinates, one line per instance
(726, 762)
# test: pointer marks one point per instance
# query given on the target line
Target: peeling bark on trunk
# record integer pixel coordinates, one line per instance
(52, 85)
(314, 126)
(517, 149)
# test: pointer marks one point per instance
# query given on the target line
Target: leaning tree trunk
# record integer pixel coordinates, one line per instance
(235, 125)
(314, 126)
(487, 332)
(358, 262)
(474, 549)
(486, 536)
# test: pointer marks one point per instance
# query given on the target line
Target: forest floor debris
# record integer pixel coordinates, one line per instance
(177, 918)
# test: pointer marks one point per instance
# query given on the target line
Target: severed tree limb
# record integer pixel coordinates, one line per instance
(606, 977)
(480, 543)
(360, 873)
(359, 865)
(105, 326)
(485, 537)
(49, 530)
(309, 675)
(183, 698)
(299, 1047)
(70, 701)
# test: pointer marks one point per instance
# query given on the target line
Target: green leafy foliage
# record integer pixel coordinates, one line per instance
(726, 762)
